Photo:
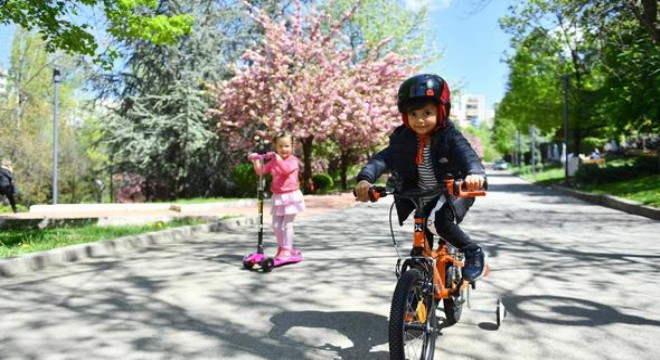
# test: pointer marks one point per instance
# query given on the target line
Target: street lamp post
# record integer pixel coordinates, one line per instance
(56, 83)
(532, 139)
(565, 85)
(520, 155)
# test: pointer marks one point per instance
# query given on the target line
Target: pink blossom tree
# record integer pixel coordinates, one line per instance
(302, 78)
(368, 107)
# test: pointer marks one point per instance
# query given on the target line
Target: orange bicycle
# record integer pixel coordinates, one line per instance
(425, 278)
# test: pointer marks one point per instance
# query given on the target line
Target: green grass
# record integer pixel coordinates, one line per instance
(542, 176)
(19, 242)
(7, 209)
(643, 189)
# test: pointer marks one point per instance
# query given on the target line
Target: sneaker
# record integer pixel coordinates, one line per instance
(283, 253)
(474, 264)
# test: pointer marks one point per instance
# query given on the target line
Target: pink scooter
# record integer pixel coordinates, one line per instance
(272, 262)
(266, 263)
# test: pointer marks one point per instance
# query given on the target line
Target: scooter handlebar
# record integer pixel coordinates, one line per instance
(267, 156)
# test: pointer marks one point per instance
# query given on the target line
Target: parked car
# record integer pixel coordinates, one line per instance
(500, 165)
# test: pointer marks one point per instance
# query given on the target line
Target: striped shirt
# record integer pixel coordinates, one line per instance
(426, 177)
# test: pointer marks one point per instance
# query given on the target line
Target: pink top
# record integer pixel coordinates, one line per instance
(285, 173)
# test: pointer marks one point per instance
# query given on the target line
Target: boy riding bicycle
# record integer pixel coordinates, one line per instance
(422, 152)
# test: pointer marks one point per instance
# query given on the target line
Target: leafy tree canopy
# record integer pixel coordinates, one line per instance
(608, 50)
(127, 18)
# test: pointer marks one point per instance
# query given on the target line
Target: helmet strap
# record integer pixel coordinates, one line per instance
(441, 117)
(419, 158)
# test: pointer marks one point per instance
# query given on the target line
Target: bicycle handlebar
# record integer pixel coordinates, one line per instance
(453, 187)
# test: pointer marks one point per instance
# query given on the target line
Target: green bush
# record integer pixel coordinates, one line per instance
(616, 170)
(322, 182)
(245, 180)
(647, 164)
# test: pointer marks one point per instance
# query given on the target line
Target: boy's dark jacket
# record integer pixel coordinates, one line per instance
(451, 153)
(6, 177)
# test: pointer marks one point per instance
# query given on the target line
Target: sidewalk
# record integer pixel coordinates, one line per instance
(43, 216)
(613, 202)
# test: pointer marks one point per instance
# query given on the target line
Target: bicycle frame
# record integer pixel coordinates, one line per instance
(439, 258)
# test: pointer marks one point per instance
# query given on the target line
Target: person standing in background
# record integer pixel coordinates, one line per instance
(7, 187)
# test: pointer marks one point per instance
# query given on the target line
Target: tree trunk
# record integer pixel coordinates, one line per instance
(343, 166)
(647, 17)
(307, 163)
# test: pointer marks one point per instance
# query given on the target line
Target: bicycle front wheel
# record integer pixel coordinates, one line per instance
(412, 325)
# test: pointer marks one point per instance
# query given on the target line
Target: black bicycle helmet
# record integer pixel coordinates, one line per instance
(421, 87)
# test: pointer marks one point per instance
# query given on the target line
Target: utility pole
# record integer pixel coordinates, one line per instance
(56, 83)
(565, 83)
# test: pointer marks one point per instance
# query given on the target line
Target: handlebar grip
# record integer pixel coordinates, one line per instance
(374, 193)
(377, 192)
(253, 157)
(458, 191)
(267, 156)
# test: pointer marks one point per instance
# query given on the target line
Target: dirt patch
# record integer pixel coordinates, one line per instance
(320, 203)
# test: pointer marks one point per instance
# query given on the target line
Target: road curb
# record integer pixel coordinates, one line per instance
(613, 202)
(10, 267)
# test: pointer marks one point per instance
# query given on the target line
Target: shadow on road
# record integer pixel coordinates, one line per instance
(364, 330)
(568, 311)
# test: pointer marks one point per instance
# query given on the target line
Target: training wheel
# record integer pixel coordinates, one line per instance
(500, 312)
(267, 264)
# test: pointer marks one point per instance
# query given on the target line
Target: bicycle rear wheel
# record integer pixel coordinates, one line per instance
(412, 326)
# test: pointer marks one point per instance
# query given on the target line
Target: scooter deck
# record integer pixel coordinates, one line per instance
(266, 264)
(288, 260)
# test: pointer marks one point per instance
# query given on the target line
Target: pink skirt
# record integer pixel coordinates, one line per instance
(288, 203)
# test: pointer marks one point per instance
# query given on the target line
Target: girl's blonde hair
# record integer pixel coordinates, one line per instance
(281, 135)
(6, 162)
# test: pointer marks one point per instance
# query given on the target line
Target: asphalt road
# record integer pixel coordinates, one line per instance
(580, 281)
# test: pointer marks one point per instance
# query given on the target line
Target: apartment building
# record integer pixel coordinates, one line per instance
(470, 110)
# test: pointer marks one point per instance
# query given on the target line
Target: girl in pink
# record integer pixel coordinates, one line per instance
(287, 198)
